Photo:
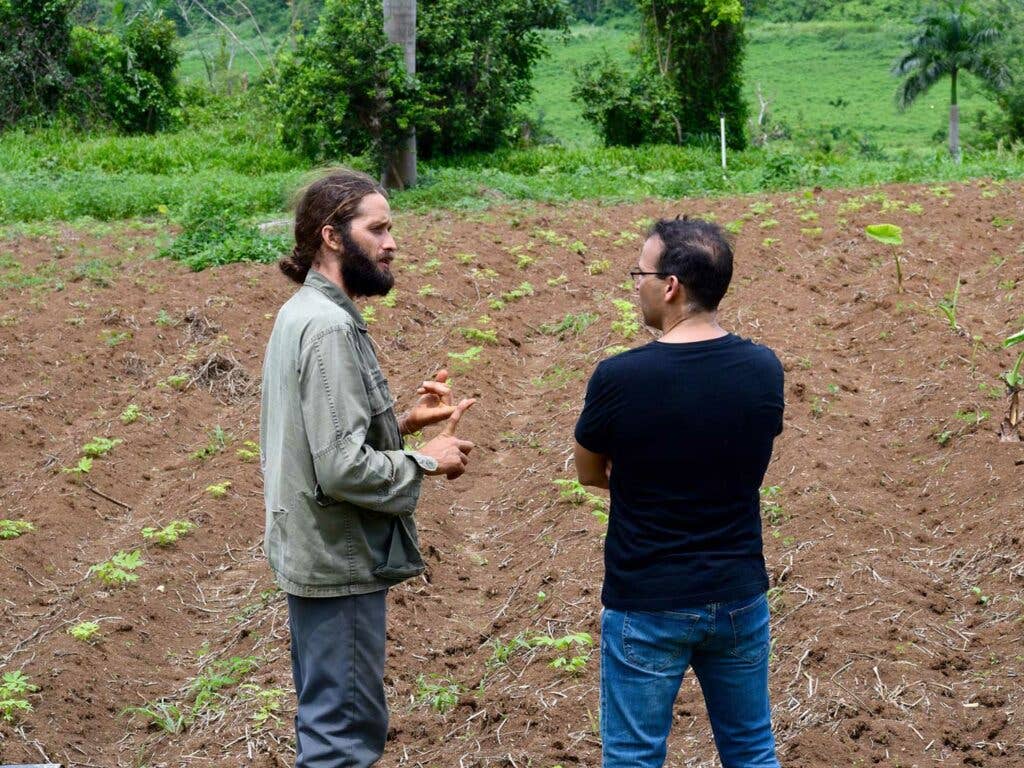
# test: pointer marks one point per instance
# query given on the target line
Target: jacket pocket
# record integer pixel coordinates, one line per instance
(403, 559)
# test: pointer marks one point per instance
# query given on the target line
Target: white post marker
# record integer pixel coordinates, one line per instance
(722, 131)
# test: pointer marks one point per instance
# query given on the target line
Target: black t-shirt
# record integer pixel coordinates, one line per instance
(689, 430)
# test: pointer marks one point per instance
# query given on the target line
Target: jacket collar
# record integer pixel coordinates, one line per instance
(320, 283)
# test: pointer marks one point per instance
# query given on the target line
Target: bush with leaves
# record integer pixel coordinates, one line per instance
(344, 90)
(689, 73)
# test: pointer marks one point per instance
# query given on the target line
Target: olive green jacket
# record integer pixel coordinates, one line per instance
(340, 491)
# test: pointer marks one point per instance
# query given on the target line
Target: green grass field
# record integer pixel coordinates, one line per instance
(800, 67)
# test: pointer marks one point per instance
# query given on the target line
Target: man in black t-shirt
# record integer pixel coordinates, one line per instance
(681, 431)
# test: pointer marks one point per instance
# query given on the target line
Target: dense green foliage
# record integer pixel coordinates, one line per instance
(689, 73)
(835, 10)
(123, 76)
(1009, 50)
(598, 11)
(344, 91)
(33, 49)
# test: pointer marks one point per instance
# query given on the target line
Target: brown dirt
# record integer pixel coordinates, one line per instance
(897, 564)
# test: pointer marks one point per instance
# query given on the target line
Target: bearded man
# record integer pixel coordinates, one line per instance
(340, 490)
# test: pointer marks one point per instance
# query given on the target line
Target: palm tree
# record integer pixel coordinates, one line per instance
(400, 28)
(948, 40)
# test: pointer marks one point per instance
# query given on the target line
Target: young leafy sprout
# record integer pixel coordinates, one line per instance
(463, 361)
(581, 641)
(86, 631)
(169, 534)
(573, 492)
(628, 323)
(250, 451)
(948, 306)
(219, 490)
(100, 446)
(82, 467)
(890, 234)
(1014, 383)
(12, 529)
(13, 687)
(117, 571)
(441, 696)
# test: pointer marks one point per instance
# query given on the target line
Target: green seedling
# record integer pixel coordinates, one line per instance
(628, 323)
(12, 529)
(811, 231)
(550, 236)
(615, 349)
(169, 534)
(770, 507)
(219, 440)
(164, 320)
(979, 596)
(599, 266)
(100, 446)
(175, 381)
(570, 324)
(82, 467)
(13, 688)
(769, 223)
(573, 492)
(441, 696)
(205, 689)
(502, 653)
(578, 247)
(486, 275)
(1014, 380)
(573, 664)
(948, 306)
(973, 418)
(130, 414)
(890, 234)
(809, 216)
(162, 715)
(463, 361)
(524, 260)
(117, 571)
(483, 337)
(86, 631)
(369, 314)
(267, 703)
(249, 451)
(761, 207)
(776, 599)
(389, 300)
(558, 376)
(735, 227)
(943, 437)
(113, 338)
(465, 258)
(218, 490)
(430, 267)
(554, 282)
(427, 290)
(521, 292)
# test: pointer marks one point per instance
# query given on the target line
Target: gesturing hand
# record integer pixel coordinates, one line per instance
(451, 452)
(434, 405)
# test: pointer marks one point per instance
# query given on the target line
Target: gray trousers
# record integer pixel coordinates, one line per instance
(338, 666)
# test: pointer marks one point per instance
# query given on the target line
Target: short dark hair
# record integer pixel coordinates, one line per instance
(699, 254)
(332, 198)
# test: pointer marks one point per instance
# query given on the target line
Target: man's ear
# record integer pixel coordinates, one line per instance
(674, 289)
(331, 237)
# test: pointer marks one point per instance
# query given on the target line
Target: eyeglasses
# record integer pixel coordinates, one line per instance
(635, 273)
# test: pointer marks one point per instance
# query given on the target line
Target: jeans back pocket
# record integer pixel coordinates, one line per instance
(655, 640)
(750, 630)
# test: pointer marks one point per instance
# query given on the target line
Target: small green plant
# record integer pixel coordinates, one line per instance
(948, 306)
(219, 490)
(502, 652)
(465, 258)
(477, 335)
(599, 266)
(811, 231)
(250, 451)
(573, 492)
(86, 631)
(735, 226)
(890, 234)
(980, 597)
(776, 599)
(943, 437)
(554, 282)
(570, 324)
(578, 247)
(615, 349)
(164, 320)
(524, 260)
(770, 506)
(118, 570)
(571, 663)
(218, 441)
(769, 224)
(1014, 380)
(13, 688)
(389, 300)
(520, 292)
(427, 290)
(169, 534)
(441, 696)
(430, 267)
(113, 338)
(175, 381)
(12, 529)
(100, 446)
(463, 361)
(267, 703)
(973, 418)
(162, 715)
(205, 689)
(369, 314)
(130, 414)
(628, 323)
(82, 467)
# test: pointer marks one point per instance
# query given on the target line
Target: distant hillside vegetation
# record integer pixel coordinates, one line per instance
(835, 10)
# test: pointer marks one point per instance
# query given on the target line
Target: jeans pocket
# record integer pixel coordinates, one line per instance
(750, 630)
(655, 640)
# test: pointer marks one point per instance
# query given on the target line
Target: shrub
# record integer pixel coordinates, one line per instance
(33, 46)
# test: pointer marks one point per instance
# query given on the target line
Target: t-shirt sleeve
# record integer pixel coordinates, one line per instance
(593, 430)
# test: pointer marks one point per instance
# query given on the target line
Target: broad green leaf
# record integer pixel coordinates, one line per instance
(1016, 338)
(890, 234)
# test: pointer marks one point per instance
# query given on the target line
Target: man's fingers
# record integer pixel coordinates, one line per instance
(441, 376)
(434, 388)
(453, 420)
(465, 446)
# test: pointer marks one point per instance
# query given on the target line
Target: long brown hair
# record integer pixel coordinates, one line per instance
(331, 199)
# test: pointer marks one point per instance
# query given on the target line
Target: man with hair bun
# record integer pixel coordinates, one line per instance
(681, 431)
(340, 490)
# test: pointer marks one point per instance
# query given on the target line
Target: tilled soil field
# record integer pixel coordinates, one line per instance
(894, 505)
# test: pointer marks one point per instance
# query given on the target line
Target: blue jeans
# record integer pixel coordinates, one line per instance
(644, 655)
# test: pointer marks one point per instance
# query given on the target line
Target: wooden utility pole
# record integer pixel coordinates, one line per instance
(400, 28)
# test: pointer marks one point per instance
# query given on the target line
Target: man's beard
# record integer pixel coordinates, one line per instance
(360, 273)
